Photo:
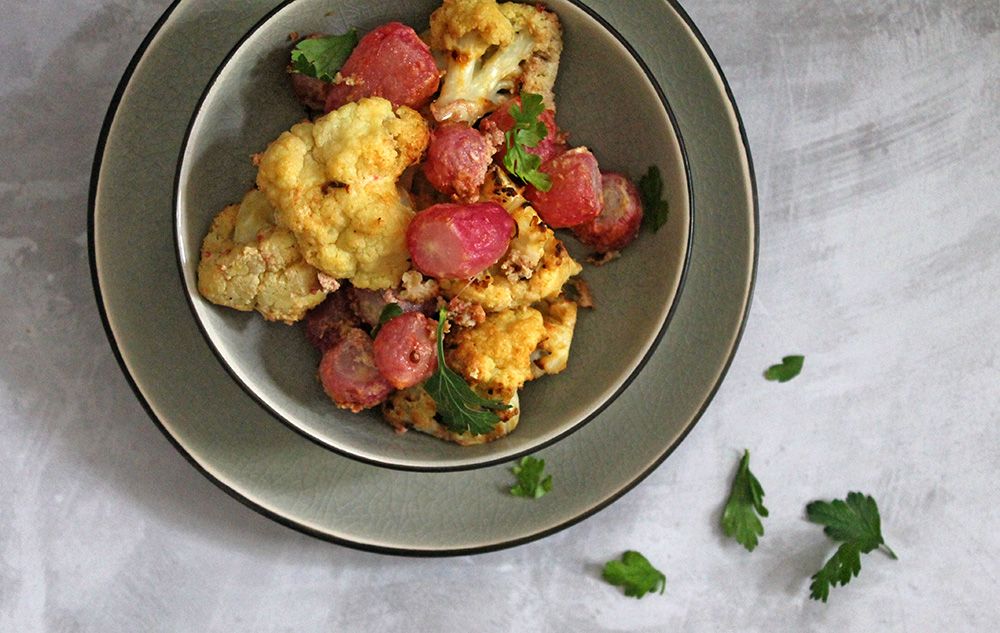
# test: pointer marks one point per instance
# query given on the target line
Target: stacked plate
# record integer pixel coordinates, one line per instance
(366, 494)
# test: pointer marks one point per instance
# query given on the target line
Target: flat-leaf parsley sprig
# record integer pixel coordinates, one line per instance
(655, 210)
(635, 574)
(746, 501)
(530, 482)
(528, 131)
(322, 57)
(461, 409)
(789, 368)
(855, 522)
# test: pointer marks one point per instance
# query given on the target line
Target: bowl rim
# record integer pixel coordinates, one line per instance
(419, 467)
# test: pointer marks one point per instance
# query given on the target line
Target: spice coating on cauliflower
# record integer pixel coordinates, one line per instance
(248, 263)
(493, 51)
(333, 184)
(552, 356)
(496, 354)
(415, 408)
(539, 70)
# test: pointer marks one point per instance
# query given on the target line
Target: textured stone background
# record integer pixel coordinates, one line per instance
(874, 128)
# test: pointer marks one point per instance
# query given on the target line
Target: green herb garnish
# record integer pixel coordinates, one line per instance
(635, 574)
(856, 523)
(322, 57)
(389, 312)
(461, 409)
(528, 131)
(529, 478)
(789, 368)
(740, 517)
(654, 208)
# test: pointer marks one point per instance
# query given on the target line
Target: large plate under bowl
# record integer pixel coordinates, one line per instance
(239, 446)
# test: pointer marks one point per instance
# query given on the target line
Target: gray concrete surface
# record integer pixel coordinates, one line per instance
(874, 128)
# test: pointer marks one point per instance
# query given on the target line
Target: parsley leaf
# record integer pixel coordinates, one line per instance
(654, 207)
(529, 478)
(739, 518)
(389, 312)
(635, 574)
(528, 131)
(322, 57)
(854, 521)
(461, 409)
(789, 368)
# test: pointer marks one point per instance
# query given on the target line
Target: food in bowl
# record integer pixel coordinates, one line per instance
(410, 225)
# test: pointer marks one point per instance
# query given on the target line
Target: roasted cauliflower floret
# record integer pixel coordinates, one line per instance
(493, 51)
(552, 355)
(333, 184)
(496, 354)
(535, 267)
(470, 26)
(539, 70)
(356, 235)
(248, 263)
(417, 289)
(415, 408)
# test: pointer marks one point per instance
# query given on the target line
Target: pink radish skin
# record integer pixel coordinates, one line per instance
(458, 241)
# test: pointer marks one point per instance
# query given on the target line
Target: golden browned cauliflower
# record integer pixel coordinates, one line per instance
(536, 265)
(414, 408)
(540, 69)
(495, 355)
(469, 26)
(552, 356)
(248, 263)
(333, 184)
(493, 51)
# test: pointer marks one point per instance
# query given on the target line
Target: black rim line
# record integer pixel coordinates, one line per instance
(648, 354)
(95, 177)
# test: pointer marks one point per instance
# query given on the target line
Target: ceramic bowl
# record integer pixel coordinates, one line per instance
(607, 100)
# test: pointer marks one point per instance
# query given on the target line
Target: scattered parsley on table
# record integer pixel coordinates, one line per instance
(740, 517)
(634, 574)
(789, 368)
(855, 522)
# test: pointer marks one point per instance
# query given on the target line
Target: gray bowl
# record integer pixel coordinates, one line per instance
(607, 100)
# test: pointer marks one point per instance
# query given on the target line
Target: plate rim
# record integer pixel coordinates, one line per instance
(488, 461)
(412, 551)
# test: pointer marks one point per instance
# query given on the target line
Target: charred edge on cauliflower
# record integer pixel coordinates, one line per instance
(537, 264)
(415, 408)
